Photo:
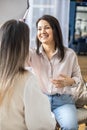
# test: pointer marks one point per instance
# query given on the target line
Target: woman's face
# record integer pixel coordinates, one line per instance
(44, 32)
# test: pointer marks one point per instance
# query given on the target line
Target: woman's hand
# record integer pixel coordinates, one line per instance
(62, 81)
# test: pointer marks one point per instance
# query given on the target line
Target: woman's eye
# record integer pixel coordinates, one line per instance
(39, 29)
(47, 27)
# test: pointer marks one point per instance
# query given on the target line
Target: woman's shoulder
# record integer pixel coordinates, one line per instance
(32, 50)
(22, 79)
(27, 76)
(31, 76)
(70, 51)
(31, 79)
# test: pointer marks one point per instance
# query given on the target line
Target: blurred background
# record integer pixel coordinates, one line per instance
(72, 15)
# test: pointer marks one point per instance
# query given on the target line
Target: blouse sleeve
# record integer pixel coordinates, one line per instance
(76, 75)
(38, 114)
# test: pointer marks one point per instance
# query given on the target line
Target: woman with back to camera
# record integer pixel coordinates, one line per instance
(21, 100)
(57, 69)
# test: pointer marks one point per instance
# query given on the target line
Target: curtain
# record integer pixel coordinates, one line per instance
(57, 8)
(62, 13)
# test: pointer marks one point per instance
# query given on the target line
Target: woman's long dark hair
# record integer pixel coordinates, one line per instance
(57, 34)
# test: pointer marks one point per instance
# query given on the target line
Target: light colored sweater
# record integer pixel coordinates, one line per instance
(28, 108)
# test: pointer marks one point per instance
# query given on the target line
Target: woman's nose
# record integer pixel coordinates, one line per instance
(43, 30)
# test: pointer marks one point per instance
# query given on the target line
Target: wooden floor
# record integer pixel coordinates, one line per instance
(83, 65)
(82, 127)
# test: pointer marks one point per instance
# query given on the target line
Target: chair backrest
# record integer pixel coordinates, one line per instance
(82, 115)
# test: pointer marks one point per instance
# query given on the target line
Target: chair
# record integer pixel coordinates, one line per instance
(82, 116)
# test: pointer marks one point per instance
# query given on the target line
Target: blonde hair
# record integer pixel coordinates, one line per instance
(14, 49)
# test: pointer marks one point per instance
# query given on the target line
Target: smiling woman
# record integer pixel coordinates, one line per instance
(56, 72)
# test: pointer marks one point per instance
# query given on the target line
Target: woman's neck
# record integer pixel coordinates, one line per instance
(49, 50)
